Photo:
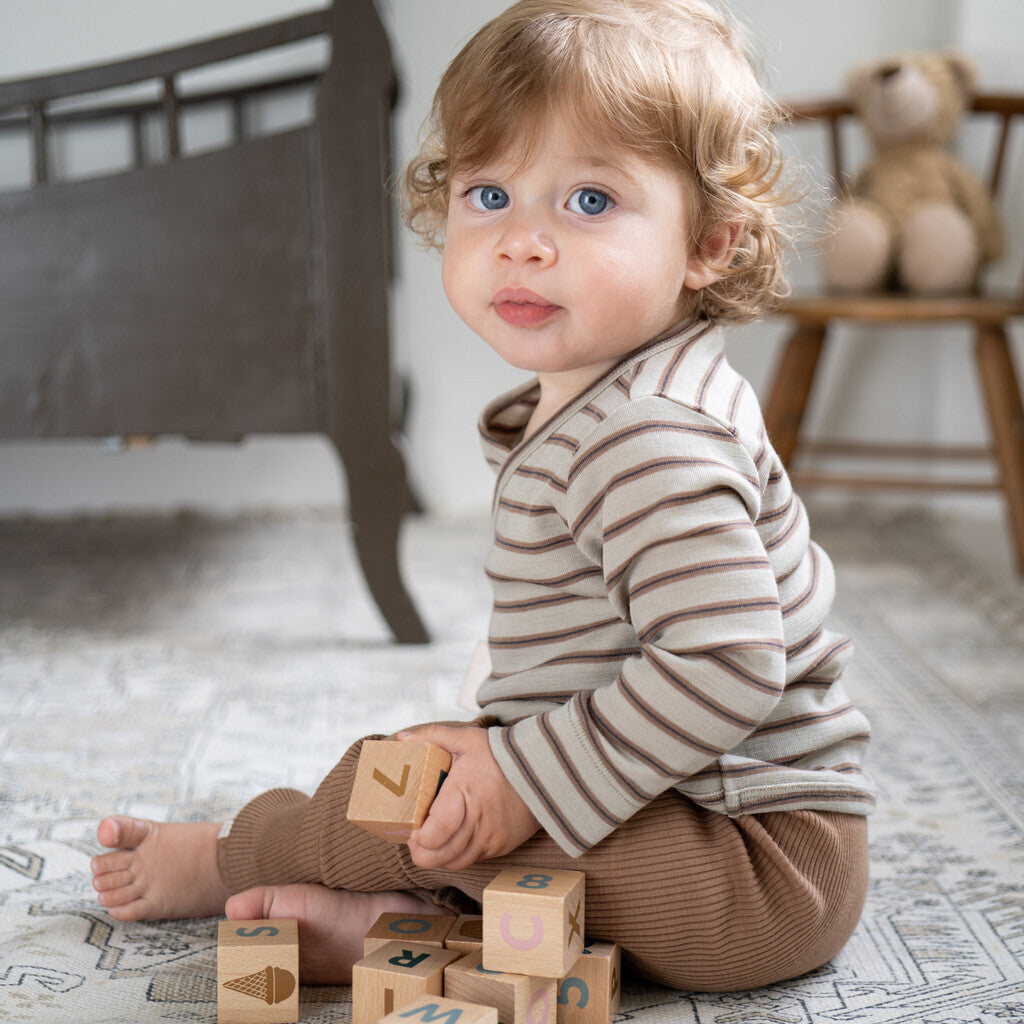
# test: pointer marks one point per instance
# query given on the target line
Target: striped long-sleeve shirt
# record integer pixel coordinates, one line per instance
(659, 609)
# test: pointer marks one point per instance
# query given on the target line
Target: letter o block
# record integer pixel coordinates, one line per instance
(258, 972)
(589, 993)
(533, 921)
(394, 975)
(426, 929)
(395, 784)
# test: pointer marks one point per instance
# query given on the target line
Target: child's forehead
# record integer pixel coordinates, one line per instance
(560, 134)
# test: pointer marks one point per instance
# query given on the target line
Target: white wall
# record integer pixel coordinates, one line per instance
(806, 45)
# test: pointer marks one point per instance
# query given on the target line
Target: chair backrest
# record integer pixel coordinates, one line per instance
(1004, 111)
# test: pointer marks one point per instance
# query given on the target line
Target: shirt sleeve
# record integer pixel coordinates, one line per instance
(666, 500)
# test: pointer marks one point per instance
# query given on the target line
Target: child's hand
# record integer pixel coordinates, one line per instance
(477, 814)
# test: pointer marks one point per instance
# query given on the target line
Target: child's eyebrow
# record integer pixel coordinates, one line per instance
(600, 162)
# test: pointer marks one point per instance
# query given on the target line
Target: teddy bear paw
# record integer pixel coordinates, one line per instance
(939, 250)
(857, 258)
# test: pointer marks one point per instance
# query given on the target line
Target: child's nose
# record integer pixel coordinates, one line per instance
(526, 240)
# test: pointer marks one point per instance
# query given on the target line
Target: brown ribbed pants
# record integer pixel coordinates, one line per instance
(696, 900)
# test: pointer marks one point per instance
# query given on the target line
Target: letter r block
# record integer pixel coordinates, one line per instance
(533, 921)
(257, 972)
(395, 974)
(395, 784)
(441, 1010)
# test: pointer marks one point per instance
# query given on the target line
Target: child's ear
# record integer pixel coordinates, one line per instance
(712, 256)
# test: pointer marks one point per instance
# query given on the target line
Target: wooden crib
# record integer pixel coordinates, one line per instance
(215, 294)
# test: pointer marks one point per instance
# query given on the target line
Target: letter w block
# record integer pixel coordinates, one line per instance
(395, 784)
(441, 1010)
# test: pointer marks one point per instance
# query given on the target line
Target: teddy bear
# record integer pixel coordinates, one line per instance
(917, 218)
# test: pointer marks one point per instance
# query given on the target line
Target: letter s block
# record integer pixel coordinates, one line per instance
(258, 972)
(395, 974)
(395, 784)
(589, 993)
(533, 921)
(441, 1010)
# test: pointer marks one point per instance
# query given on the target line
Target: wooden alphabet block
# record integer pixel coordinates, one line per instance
(467, 934)
(394, 975)
(426, 929)
(518, 998)
(257, 972)
(441, 1009)
(589, 993)
(395, 784)
(533, 921)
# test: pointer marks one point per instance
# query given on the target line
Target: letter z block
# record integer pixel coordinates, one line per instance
(441, 1010)
(394, 975)
(589, 993)
(395, 784)
(426, 929)
(257, 972)
(533, 921)
(467, 934)
(518, 998)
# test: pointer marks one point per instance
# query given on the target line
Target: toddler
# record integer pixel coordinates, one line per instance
(664, 707)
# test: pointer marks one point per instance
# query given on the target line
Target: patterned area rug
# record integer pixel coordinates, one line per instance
(174, 667)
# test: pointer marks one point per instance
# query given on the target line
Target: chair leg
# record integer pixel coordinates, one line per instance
(1001, 389)
(791, 389)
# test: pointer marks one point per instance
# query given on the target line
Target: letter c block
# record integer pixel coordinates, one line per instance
(533, 921)
(589, 994)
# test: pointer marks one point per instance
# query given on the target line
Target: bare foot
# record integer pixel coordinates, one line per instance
(332, 923)
(158, 871)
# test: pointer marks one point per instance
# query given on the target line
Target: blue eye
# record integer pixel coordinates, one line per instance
(488, 197)
(589, 201)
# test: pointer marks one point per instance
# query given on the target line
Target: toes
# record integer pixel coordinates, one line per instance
(104, 881)
(251, 905)
(120, 896)
(119, 832)
(105, 863)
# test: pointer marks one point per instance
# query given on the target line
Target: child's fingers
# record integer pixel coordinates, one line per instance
(440, 735)
(444, 819)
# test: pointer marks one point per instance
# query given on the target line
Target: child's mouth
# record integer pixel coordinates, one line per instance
(520, 307)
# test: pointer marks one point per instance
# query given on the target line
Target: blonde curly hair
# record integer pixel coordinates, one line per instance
(667, 80)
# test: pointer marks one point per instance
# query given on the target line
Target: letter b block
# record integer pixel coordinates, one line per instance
(518, 998)
(257, 972)
(395, 784)
(394, 975)
(533, 922)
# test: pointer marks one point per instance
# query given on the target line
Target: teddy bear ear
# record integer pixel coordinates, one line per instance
(963, 69)
(858, 76)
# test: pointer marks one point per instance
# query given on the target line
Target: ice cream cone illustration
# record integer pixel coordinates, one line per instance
(272, 985)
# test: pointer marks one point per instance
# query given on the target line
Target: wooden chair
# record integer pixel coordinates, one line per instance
(241, 289)
(986, 314)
